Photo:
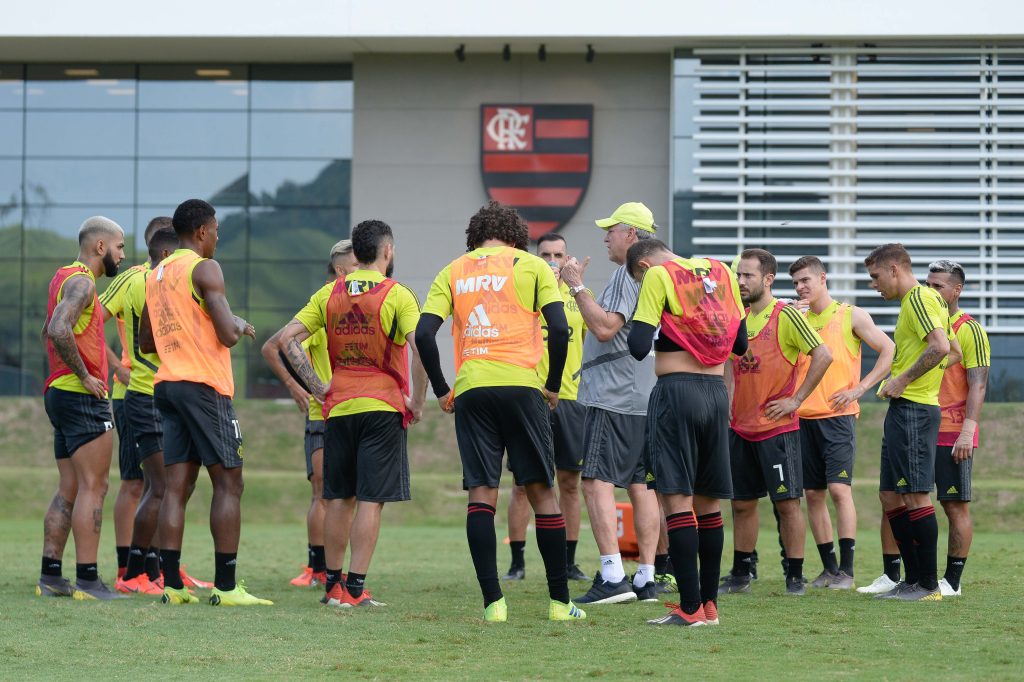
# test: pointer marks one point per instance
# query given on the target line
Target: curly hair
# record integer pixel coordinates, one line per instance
(497, 221)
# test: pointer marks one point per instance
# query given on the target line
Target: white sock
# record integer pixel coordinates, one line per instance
(611, 568)
(644, 574)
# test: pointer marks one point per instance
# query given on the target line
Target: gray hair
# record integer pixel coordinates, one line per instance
(342, 248)
(643, 234)
(97, 227)
(950, 267)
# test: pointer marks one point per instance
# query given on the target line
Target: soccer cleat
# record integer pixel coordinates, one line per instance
(140, 584)
(305, 579)
(665, 583)
(194, 582)
(172, 595)
(841, 581)
(496, 612)
(647, 593)
(945, 588)
(362, 601)
(604, 592)
(335, 596)
(824, 579)
(560, 611)
(895, 592)
(735, 584)
(918, 593)
(679, 617)
(711, 612)
(574, 573)
(796, 587)
(515, 572)
(236, 597)
(86, 590)
(881, 585)
(53, 586)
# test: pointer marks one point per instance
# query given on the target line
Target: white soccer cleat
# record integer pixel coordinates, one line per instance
(881, 585)
(947, 590)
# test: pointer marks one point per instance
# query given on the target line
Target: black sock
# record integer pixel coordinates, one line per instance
(891, 566)
(318, 559)
(51, 567)
(710, 540)
(518, 548)
(552, 546)
(660, 563)
(899, 521)
(333, 578)
(309, 556)
(483, 547)
(683, 546)
(86, 572)
(122, 556)
(354, 583)
(925, 528)
(741, 563)
(153, 563)
(846, 548)
(954, 569)
(794, 569)
(169, 561)
(753, 564)
(136, 562)
(570, 552)
(224, 570)
(827, 552)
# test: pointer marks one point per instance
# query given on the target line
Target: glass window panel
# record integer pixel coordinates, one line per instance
(306, 95)
(232, 234)
(10, 132)
(311, 135)
(235, 276)
(53, 230)
(142, 217)
(80, 133)
(10, 184)
(79, 181)
(296, 233)
(171, 182)
(185, 134)
(184, 86)
(93, 86)
(12, 87)
(10, 235)
(300, 183)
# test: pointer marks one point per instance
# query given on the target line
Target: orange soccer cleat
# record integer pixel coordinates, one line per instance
(194, 582)
(140, 584)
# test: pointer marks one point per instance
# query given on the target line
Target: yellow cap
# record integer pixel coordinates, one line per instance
(632, 213)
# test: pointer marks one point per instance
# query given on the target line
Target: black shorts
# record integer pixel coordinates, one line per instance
(200, 425)
(828, 448)
(492, 420)
(365, 457)
(77, 419)
(908, 447)
(769, 467)
(146, 423)
(614, 447)
(127, 462)
(312, 441)
(688, 436)
(952, 480)
(567, 434)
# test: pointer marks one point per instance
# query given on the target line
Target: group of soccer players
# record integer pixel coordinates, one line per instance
(746, 396)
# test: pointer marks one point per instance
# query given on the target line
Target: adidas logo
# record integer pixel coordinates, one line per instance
(843, 474)
(479, 325)
(781, 489)
(901, 482)
(952, 490)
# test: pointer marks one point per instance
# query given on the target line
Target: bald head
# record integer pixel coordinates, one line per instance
(98, 228)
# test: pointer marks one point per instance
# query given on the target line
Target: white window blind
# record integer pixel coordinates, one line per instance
(831, 151)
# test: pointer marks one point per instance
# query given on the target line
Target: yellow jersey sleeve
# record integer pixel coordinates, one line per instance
(654, 294)
(112, 297)
(541, 283)
(927, 312)
(313, 315)
(795, 335)
(974, 344)
(404, 312)
(439, 298)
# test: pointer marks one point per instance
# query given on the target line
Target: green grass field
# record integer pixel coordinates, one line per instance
(432, 628)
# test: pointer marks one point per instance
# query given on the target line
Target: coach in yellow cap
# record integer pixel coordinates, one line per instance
(632, 214)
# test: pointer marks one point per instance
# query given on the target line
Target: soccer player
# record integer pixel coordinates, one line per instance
(142, 573)
(911, 427)
(765, 440)
(566, 429)
(961, 396)
(370, 319)
(696, 302)
(187, 321)
(615, 388)
(828, 418)
(496, 294)
(75, 396)
(342, 263)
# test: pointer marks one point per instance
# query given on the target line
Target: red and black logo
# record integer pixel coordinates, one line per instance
(537, 158)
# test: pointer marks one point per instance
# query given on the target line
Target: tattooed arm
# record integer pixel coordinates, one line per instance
(274, 354)
(291, 338)
(938, 348)
(77, 293)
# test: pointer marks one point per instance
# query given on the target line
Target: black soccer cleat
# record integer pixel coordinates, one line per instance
(604, 592)
(735, 584)
(515, 572)
(575, 573)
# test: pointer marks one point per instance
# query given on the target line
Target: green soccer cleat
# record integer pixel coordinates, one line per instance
(236, 597)
(496, 612)
(560, 611)
(175, 596)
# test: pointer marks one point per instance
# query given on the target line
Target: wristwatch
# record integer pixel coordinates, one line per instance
(573, 291)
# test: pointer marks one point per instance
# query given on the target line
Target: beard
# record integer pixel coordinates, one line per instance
(752, 295)
(390, 270)
(109, 265)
